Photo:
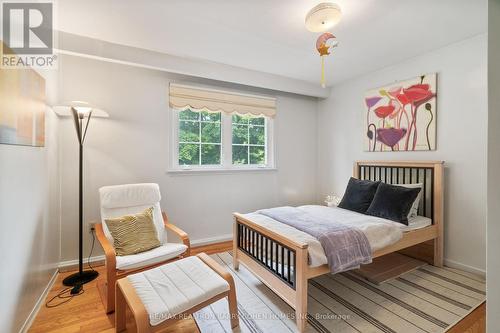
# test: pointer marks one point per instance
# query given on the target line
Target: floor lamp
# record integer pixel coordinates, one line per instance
(81, 112)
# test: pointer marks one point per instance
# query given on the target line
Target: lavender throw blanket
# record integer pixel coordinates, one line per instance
(345, 247)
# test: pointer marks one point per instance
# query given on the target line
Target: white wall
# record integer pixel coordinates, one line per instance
(493, 265)
(29, 213)
(133, 146)
(461, 139)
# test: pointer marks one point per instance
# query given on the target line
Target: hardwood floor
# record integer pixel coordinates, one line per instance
(475, 322)
(85, 313)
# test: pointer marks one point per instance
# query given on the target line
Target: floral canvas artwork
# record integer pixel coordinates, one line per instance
(402, 116)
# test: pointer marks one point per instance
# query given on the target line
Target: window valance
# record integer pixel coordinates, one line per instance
(196, 98)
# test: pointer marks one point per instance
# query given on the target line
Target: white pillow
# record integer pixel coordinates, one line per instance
(414, 208)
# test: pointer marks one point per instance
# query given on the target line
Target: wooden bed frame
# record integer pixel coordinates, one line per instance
(254, 246)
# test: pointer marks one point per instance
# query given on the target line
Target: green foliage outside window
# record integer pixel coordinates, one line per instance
(199, 138)
(249, 140)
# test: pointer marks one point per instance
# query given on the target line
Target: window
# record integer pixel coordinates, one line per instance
(199, 138)
(249, 140)
(220, 130)
(216, 140)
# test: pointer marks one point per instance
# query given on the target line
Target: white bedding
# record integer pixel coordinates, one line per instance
(416, 223)
(379, 232)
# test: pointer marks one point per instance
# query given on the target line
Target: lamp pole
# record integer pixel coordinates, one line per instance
(80, 211)
(81, 277)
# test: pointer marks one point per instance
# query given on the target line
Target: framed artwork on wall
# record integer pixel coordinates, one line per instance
(401, 116)
(22, 107)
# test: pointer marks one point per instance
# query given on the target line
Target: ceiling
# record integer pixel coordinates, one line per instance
(269, 35)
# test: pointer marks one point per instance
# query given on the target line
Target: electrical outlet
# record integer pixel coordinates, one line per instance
(91, 226)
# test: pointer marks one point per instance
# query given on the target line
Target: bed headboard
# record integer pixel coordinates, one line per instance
(429, 173)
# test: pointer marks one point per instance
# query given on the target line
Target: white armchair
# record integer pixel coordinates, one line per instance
(121, 200)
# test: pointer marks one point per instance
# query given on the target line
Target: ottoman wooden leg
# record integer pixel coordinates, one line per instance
(120, 310)
(231, 295)
(126, 295)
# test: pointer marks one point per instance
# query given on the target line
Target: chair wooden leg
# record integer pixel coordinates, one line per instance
(110, 287)
(233, 307)
(121, 310)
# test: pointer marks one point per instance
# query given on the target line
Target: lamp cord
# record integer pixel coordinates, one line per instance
(92, 231)
(61, 294)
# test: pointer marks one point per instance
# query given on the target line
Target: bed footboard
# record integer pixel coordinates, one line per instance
(278, 262)
(277, 258)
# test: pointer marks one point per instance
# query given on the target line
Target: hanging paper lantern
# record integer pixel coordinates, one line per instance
(324, 50)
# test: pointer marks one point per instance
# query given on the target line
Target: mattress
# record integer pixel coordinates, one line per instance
(379, 232)
(415, 223)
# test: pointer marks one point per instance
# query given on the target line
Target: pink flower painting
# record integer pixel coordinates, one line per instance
(402, 116)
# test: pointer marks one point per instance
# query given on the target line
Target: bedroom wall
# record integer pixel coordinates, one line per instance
(29, 212)
(133, 146)
(462, 117)
(493, 265)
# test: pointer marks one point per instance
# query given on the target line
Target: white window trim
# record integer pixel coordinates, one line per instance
(226, 147)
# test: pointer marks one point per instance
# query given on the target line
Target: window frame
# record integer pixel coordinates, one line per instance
(226, 147)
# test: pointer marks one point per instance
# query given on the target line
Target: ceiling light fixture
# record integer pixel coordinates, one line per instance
(323, 17)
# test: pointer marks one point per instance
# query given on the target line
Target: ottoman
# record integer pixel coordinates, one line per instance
(163, 295)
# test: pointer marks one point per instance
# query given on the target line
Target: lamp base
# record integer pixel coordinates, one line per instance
(80, 278)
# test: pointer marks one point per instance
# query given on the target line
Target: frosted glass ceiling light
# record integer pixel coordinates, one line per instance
(323, 17)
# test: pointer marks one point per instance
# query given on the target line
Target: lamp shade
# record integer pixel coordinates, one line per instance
(323, 17)
(64, 110)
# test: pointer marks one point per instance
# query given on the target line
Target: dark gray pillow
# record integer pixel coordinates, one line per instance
(358, 195)
(393, 202)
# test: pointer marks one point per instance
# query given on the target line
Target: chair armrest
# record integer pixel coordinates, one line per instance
(108, 248)
(178, 231)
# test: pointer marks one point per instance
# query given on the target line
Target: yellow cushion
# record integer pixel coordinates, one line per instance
(133, 233)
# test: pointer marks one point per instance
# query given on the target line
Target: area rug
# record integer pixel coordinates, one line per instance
(388, 267)
(428, 299)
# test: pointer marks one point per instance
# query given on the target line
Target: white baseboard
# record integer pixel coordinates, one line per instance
(29, 321)
(455, 264)
(68, 265)
(211, 240)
